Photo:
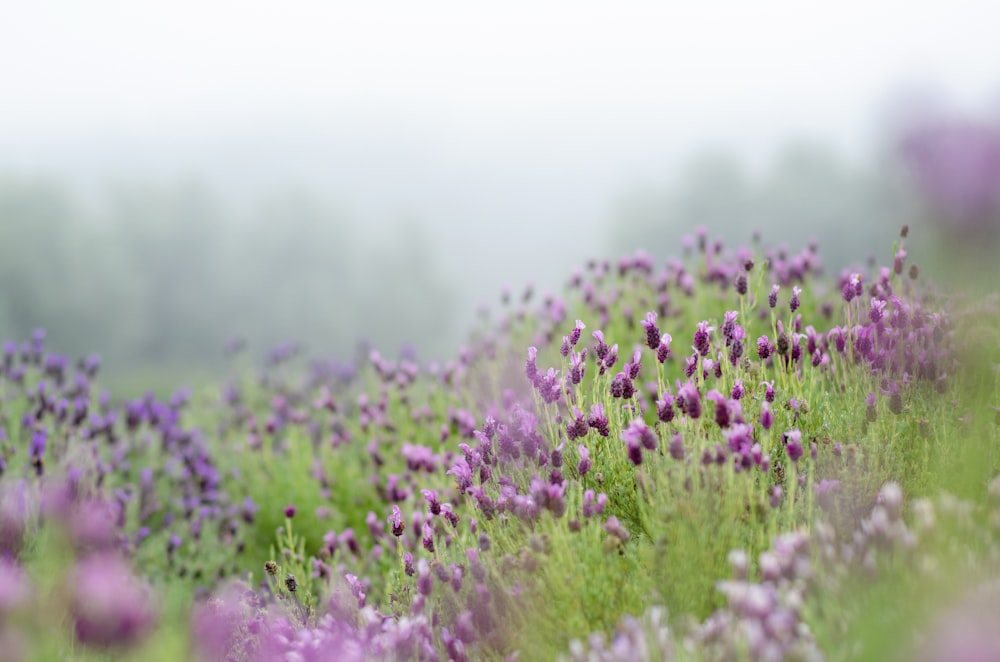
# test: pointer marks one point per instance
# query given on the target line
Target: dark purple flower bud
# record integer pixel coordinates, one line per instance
(741, 284)
(408, 564)
(738, 391)
(676, 447)
(772, 298)
(530, 366)
(848, 289)
(665, 408)
(396, 521)
(290, 511)
(583, 466)
(576, 428)
(425, 583)
(691, 365)
(427, 536)
(431, 497)
(766, 417)
(692, 399)
(449, 514)
(763, 348)
(793, 445)
(652, 332)
(632, 367)
(601, 349)
(729, 325)
(663, 348)
(574, 335)
(611, 358)
(622, 386)
(701, 338)
(598, 420)
(783, 344)
(564, 348)
(793, 303)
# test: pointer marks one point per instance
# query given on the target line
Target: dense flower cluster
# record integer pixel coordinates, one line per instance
(391, 510)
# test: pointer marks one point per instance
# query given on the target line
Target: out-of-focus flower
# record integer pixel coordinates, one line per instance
(110, 606)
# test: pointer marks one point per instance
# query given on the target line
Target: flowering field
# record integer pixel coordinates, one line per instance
(727, 456)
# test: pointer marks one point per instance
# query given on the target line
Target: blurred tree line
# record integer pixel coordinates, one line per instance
(806, 193)
(165, 276)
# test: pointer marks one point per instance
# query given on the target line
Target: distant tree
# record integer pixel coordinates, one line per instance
(807, 193)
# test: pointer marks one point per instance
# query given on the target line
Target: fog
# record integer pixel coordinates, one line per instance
(345, 172)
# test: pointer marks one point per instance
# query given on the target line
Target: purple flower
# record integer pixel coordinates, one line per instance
(738, 391)
(766, 417)
(427, 536)
(396, 521)
(593, 505)
(574, 335)
(622, 386)
(652, 332)
(599, 420)
(877, 310)
(793, 444)
(665, 408)
(408, 564)
(615, 528)
(637, 436)
(701, 337)
(690, 399)
(577, 366)
(740, 284)
(676, 447)
(290, 511)
(583, 466)
(764, 348)
(663, 348)
(772, 298)
(793, 303)
(729, 324)
(768, 390)
(531, 366)
(110, 606)
(577, 428)
(431, 497)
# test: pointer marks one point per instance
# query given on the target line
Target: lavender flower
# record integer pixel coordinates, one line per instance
(583, 466)
(663, 351)
(701, 337)
(793, 444)
(652, 332)
(110, 607)
(793, 303)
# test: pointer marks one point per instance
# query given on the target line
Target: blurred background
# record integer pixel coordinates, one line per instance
(174, 175)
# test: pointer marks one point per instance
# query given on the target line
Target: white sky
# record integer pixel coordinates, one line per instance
(713, 69)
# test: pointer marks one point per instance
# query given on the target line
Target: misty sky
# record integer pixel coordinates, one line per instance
(508, 130)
